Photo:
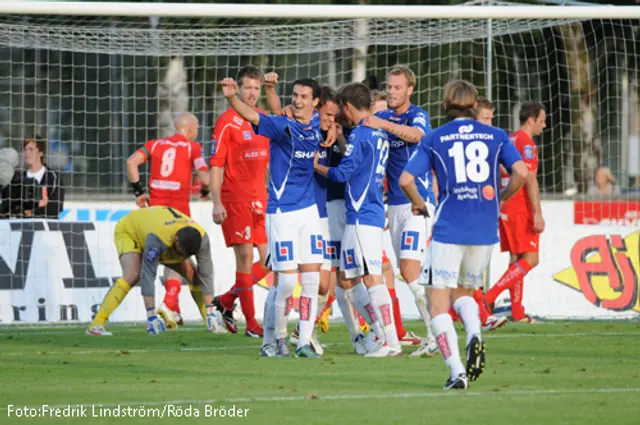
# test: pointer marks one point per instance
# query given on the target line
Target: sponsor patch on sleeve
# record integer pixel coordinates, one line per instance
(152, 255)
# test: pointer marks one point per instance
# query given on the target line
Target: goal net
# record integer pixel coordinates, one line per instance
(98, 87)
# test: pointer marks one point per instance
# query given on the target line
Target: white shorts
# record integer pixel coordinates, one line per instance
(326, 260)
(409, 233)
(337, 213)
(454, 265)
(361, 251)
(295, 238)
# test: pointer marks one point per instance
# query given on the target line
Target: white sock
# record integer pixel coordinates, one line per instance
(308, 306)
(421, 302)
(381, 300)
(347, 312)
(362, 302)
(447, 340)
(467, 309)
(286, 284)
(270, 317)
(322, 301)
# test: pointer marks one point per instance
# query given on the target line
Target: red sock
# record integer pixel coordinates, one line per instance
(397, 316)
(517, 309)
(173, 287)
(257, 273)
(516, 271)
(244, 284)
(327, 306)
(228, 298)
(484, 314)
(454, 314)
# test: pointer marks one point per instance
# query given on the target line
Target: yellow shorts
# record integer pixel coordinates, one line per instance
(123, 239)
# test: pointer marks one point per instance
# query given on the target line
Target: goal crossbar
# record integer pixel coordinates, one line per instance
(319, 11)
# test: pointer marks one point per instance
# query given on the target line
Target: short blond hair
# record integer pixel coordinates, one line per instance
(379, 95)
(459, 99)
(484, 103)
(406, 71)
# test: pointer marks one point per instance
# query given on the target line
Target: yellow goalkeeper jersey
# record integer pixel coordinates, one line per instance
(132, 230)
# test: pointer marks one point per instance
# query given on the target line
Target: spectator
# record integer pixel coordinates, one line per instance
(605, 183)
(36, 192)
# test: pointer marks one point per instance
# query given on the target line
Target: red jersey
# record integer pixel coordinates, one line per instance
(173, 160)
(244, 156)
(520, 201)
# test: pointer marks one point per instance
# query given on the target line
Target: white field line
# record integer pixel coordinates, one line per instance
(111, 351)
(432, 394)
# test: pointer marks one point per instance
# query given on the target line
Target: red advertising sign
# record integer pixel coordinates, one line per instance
(619, 213)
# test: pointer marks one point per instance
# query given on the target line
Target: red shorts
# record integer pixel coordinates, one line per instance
(517, 235)
(245, 223)
(182, 207)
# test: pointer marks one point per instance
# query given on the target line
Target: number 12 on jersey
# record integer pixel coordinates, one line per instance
(470, 163)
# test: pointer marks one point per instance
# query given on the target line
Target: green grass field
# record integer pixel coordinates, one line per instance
(553, 373)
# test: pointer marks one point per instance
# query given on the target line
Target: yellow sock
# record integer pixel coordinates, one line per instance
(111, 301)
(196, 293)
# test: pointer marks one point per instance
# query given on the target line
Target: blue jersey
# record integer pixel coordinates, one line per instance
(401, 151)
(466, 156)
(363, 167)
(293, 147)
(322, 181)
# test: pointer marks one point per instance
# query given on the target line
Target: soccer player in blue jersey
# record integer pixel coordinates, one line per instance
(466, 156)
(293, 224)
(407, 124)
(363, 168)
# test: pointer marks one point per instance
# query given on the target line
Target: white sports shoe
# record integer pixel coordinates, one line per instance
(214, 325)
(169, 316)
(155, 325)
(411, 339)
(493, 323)
(429, 349)
(384, 350)
(370, 342)
(359, 345)
(315, 343)
(98, 330)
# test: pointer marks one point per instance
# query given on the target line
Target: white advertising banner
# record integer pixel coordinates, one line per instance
(59, 271)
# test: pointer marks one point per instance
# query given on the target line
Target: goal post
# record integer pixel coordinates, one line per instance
(99, 79)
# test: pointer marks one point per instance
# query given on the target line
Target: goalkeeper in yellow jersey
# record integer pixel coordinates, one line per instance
(147, 237)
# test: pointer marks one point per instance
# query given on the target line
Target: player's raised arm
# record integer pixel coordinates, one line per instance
(136, 159)
(407, 133)
(273, 100)
(347, 166)
(230, 90)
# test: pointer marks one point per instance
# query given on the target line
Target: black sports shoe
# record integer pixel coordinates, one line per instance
(475, 358)
(227, 316)
(460, 383)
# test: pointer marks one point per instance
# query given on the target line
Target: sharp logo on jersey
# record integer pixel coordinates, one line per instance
(238, 120)
(317, 245)
(333, 250)
(604, 269)
(305, 155)
(465, 129)
(410, 240)
(284, 251)
(528, 152)
(349, 259)
(246, 135)
(322, 154)
(152, 255)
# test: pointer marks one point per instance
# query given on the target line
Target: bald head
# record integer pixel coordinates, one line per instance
(187, 124)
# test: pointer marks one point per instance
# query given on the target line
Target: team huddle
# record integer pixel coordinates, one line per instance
(313, 186)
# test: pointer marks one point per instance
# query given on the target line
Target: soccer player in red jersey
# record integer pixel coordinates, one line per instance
(239, 161)
(173, 160)
(521, 220)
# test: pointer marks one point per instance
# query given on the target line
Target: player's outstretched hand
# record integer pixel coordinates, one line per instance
(142, 201)
(219, 213)
(420, 210)
(229, 87)
(270, 79)
(374, 122)
(332, 136)
(538, 223)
